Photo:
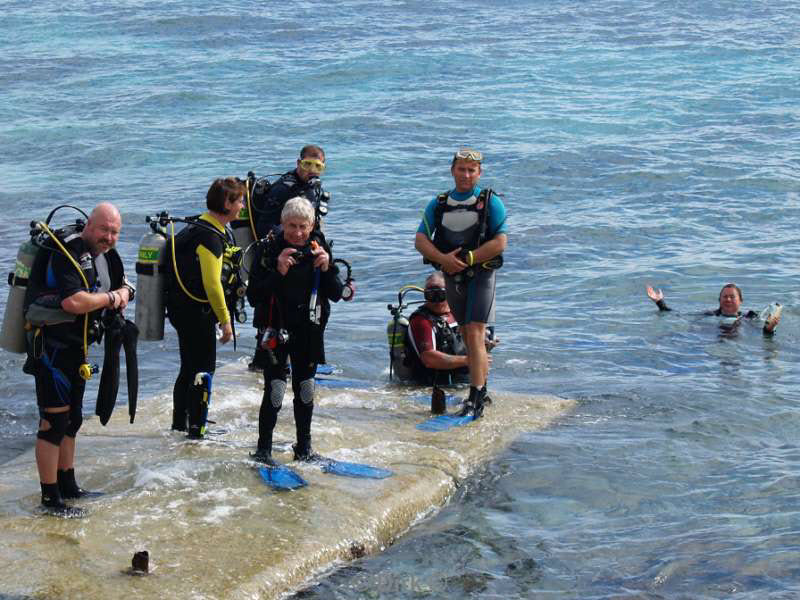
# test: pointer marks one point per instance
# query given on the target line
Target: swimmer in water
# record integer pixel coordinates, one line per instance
(730, 302)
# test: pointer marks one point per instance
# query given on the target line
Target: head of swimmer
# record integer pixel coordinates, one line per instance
(225, 198)
(102, 228)
(297, 221)
(311, 163)
(466, 169)
(730, 300)
(435, 283)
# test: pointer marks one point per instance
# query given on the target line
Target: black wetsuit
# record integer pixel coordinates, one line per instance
(193, 321)
(750, 315)
(55, 351)
(283, 304)
(288, 186)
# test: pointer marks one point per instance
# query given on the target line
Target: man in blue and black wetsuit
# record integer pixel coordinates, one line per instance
(71, 282)
(463, 232)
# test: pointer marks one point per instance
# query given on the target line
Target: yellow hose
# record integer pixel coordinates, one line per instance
(250, 211)
(175, 267)
(85, 373)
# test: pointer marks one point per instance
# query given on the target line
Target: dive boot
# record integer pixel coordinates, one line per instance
(179, 422)
(263, 456)
(69, 488)
(305, 454)
(487, 399)
(473, 405)
(195, 432)
(53, 505)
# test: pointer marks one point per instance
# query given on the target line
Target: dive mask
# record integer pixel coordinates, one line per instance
(435, 295)
(312, 164)
(468, 154)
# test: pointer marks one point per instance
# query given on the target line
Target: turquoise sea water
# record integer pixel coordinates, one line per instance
(635, 143)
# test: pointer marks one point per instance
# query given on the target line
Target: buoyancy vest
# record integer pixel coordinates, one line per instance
(447, 341)
(42, 304)
(271, 200)
(292, 291)
(460, 224)
(186, 242)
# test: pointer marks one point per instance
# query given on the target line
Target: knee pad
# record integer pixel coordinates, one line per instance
(307, 391)
(75, 421)
(58, 427)
(277, 389)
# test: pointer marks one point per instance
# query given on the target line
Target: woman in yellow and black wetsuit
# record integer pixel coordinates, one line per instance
(196, 298)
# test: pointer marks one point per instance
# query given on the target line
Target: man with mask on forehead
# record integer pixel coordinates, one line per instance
(304, 181)
(463, 232)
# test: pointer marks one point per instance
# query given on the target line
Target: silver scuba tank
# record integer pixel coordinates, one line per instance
(151, 277)
(243, 236)
(12, 335)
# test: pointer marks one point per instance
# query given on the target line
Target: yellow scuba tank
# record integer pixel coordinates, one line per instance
(151, 283)
(396, 331)
(395, 335)
(12, 336)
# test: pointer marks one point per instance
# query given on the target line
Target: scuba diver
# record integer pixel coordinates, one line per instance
(292, 283)
(463, 233)
(433, 351)
(426, 348)
(730, 302)
(303, 181)
(76, 273)
(203, 270)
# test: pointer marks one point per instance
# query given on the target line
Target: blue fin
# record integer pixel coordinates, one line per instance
(281, 478)
(444, 422)
(343, 383)
(350, 469)
(324, 369)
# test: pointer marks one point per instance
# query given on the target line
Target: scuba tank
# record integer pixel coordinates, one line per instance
(12, 335)
(396, 330)
(41, 310)
(243, 236)
(244, 226)
(151, 282)
(157, 250)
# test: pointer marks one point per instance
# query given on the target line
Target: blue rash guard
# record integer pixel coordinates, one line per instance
(472, 300)
(496, 223)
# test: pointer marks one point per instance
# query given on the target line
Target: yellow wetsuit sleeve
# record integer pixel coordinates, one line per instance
(211, 271)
